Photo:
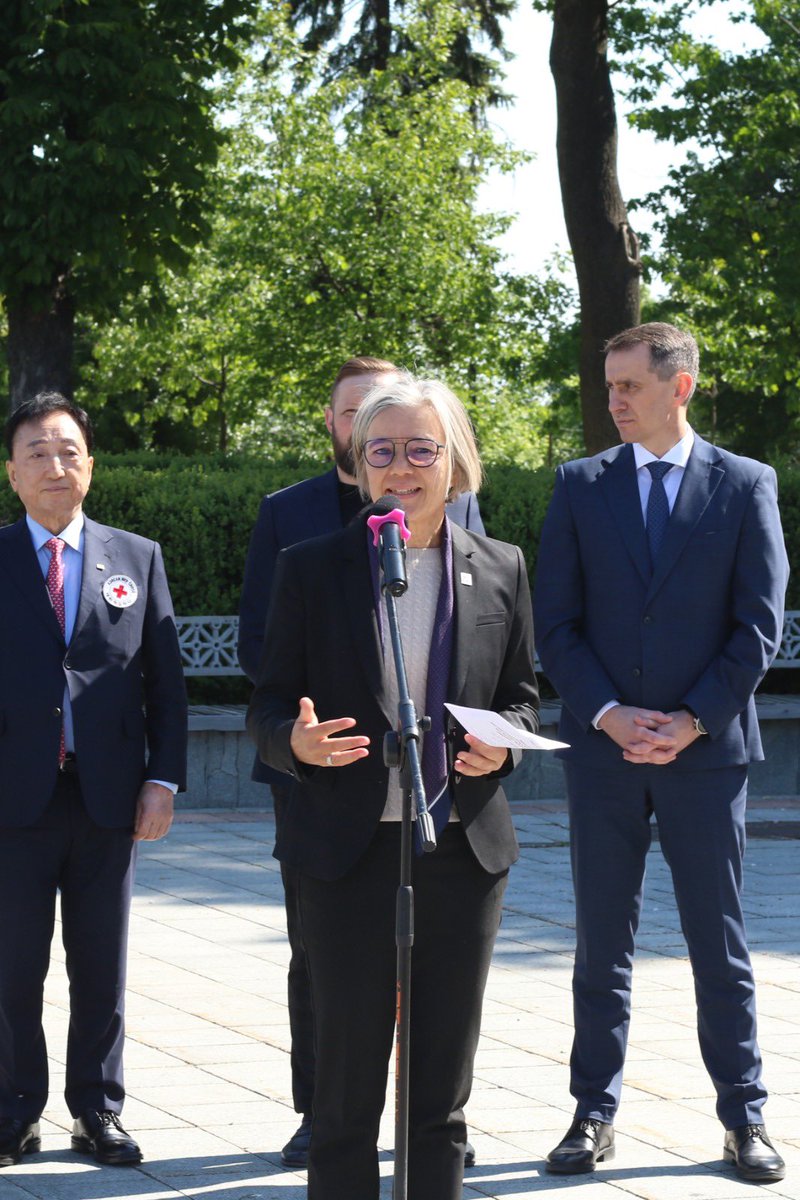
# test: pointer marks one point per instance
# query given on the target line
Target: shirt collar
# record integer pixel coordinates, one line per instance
(678, 455)
(72, 534)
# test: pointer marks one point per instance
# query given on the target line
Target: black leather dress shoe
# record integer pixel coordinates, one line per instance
(18, 1138)
(469, 1156)
(101, 1135)
(587, 1142)
(753, 1154)
(295, 1152)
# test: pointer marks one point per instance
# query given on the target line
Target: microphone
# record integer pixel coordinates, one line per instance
(390, 534)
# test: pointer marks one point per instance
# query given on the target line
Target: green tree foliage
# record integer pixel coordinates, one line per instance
(727, 224)
(346, 222)
(730, 221)
(106, 140)
(380, 31)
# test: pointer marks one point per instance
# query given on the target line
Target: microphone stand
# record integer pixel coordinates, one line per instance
(401, 750)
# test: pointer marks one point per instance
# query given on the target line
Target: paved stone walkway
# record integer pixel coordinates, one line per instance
(207, 1062)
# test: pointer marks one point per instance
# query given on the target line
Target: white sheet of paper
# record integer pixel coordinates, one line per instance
(495, 730)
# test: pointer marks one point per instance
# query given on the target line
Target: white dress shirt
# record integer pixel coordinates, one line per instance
(678, 455)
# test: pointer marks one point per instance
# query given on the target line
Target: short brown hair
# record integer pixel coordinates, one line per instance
(671, 349)
(363, 365)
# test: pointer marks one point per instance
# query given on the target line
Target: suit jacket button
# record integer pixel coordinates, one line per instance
(636, 672)
(648, 620)
(57, 712)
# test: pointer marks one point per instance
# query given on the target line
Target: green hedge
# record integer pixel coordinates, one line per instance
(202, 512)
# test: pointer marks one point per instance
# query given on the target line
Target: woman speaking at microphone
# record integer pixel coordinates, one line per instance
(326, 694)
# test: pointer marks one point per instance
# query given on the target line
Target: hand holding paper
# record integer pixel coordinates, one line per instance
(495, 730)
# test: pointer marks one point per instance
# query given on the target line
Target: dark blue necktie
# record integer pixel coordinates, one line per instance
(657, 507)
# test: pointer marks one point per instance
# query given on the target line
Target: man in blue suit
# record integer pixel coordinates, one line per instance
(658, 609)
(308, 509)
(92, 749)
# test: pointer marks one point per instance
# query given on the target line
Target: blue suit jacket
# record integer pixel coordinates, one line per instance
(123, 668)
(699, 631)
(294, 514)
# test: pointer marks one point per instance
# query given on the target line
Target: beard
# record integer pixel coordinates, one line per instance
(343, 454)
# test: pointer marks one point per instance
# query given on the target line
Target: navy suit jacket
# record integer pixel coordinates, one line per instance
(699, 631)
(294, 514)
(123, 668)
(323, 641)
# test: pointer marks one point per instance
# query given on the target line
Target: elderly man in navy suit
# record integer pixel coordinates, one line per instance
(92, 750)
(315, 506)
(659, 607)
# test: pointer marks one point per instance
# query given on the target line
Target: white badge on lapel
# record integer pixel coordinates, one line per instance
(466, 578)
(120, 591)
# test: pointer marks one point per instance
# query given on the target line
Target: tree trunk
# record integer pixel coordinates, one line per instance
(604, 247)
(383, 32)
(40, 344)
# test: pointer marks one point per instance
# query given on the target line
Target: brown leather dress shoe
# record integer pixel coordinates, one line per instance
(753, 1155)
(586, 1142)
(18, 1138)
(101, 1135)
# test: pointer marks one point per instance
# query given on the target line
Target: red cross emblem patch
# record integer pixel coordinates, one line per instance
(120, 591)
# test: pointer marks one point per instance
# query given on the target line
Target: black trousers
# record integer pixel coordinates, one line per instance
(92, 868)
(349, 935)
(301, 1016)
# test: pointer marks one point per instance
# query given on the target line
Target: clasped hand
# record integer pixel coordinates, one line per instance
(649, 736)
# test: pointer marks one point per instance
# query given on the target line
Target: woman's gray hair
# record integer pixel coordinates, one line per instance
(406, 391)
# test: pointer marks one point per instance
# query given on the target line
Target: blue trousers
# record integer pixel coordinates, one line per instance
(701, 824)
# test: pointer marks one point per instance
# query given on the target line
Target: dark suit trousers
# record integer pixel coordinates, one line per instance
(349, 933)
(93, 869)
(701, 824)
(301, 1016)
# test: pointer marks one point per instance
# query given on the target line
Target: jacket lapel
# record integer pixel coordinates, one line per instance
(24, 571)
(618, 484)
(359, 593)
(466, 591)
(325, 511)
(701, 478)
(96, 554)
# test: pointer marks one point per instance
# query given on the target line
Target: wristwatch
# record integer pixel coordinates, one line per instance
(699, 727)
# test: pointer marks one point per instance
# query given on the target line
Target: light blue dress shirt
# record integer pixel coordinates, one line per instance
(72, 558)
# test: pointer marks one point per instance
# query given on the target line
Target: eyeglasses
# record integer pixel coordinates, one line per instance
(419, 451)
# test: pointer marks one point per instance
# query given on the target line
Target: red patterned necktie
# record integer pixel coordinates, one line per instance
(55, 586)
